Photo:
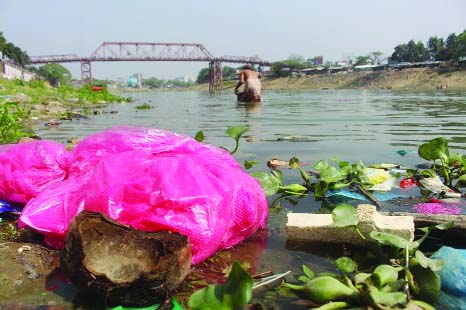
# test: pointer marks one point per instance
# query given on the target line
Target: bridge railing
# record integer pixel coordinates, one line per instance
(145, 51)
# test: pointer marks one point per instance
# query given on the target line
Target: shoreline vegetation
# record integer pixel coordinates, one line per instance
(411, 79)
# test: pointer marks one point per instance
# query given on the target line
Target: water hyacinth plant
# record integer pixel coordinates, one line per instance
(405, 278)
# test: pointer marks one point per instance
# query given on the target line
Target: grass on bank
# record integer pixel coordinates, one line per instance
(20, 101)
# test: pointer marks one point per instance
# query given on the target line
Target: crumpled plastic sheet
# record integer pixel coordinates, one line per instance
(26, 169)
(453, 273)
(154, 180)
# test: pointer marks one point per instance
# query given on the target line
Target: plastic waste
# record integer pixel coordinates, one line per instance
(26, 169)
(8, 207)
(381, 179)
(154, 180)
(453, 273)
(436, 208)
(381, 196)
(435, 185)
(408, 182)
(403, 152)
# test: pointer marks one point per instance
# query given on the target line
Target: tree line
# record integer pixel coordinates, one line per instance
(13, 52)
(436, 48)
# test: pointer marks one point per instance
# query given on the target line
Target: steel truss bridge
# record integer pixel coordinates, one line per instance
(144, 51)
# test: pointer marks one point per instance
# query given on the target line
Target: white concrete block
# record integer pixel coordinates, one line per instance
(319, 227)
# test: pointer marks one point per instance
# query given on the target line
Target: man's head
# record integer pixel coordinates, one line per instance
(247, 67)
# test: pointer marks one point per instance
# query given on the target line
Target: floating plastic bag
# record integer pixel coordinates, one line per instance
(26, 169)
(453, 273)
(380, 178)
(155, 180)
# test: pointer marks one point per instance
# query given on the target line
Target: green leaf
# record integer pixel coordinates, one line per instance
(294, 189)
(269, 183)
(236, 131)
(308, 272)
(434, 149)
(418, 305)
(333, 305)
(428, 282)
(361, 277)
(434, 264)
(250, 164)
(462, 179)
(387, 299)
(346, 264)
(320, 189)
(294, 163)
(304, 279)
(383, 275)
(199, 136)
(235, 294)
(445, 226)
(345, 215)
(390, 239)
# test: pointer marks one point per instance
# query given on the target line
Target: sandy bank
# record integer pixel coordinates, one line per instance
(407, 79)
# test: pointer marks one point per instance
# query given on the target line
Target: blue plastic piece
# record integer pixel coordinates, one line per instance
(8, 207)
(453, 274)
(381, 196)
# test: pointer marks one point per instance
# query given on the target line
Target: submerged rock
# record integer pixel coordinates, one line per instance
(24, 272)
(123, 265)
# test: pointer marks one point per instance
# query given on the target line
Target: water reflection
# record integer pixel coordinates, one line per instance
(251, 115)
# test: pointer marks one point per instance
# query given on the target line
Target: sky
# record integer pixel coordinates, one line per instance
(271, 29)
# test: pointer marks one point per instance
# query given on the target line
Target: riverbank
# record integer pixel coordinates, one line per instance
(414, 79)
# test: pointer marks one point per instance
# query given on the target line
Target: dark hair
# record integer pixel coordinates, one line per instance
(247, 67)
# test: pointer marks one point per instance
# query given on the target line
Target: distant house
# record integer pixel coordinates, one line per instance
(313, 70)
(369, 68)
(338, 68)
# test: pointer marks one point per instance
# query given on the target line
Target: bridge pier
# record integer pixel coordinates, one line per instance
(215, 81)
(86, 72)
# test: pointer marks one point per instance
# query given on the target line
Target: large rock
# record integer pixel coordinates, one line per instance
(125, 266)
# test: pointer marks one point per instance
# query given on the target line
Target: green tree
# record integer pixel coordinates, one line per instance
(2, 41)
(203, 76)
(401, 53)
(375, 57)
(436, 48)
(228, 71)
(285, 67)
(461, 41)
(456, 46)
(412, 52)
(362, 60)
(152, 82)
(55, 74)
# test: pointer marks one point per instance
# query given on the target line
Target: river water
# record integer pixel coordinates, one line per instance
(351, 125)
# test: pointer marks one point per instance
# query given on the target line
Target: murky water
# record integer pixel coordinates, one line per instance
(352, 125)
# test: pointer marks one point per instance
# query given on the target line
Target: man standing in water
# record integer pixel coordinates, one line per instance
(252, 86)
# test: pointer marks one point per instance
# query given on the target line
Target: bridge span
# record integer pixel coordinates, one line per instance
(144, 51)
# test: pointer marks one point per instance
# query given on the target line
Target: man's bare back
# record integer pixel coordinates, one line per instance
(252, 88)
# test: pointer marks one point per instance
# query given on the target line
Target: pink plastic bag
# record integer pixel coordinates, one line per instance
(155, 180)
(26, 169)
